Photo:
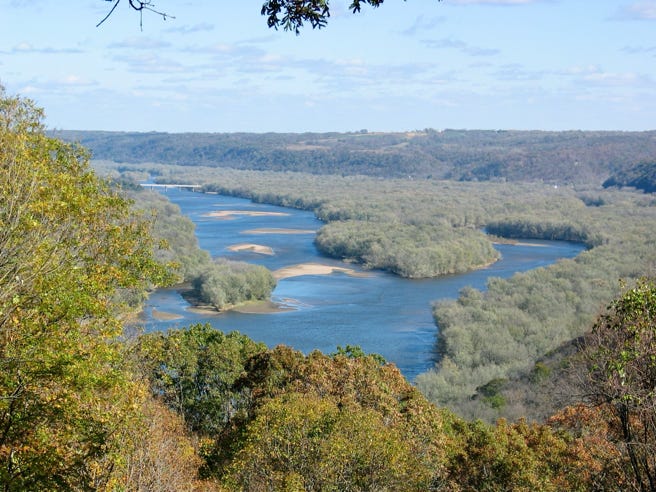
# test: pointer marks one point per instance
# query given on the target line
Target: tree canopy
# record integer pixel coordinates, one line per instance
(71, 254)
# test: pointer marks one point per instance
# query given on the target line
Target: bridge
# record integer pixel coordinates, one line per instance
(166, 186)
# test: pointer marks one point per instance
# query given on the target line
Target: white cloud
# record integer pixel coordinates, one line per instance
(422, 24)
(645, 10)
(150, 63)
(25, 47)
(77, 81)
(140, 43)
(448, 43)
(639, 50)
(202, 27)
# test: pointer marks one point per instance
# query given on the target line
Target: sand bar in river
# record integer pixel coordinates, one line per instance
(313, 269)
(255, 248)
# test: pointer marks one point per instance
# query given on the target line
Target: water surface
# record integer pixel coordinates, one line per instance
(380, 312)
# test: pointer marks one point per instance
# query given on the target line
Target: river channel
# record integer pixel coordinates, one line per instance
(380, 312)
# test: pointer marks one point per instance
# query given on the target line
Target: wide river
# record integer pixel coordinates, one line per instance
(380, 312)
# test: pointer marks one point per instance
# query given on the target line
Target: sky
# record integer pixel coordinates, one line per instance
(217, 67)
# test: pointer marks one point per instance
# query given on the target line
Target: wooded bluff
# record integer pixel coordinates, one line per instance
(572, 157)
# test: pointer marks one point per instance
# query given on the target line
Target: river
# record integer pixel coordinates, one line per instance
(380, 312)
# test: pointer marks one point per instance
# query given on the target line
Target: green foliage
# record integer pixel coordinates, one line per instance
(315, 444)
(279, 420)
(517, 457)
(355, 351)
(229, 283)
(405, 249)
(526, 228)
(490, 392)
(332, 423)
(193, 371)
(540, 372)
(292, 14)
(175, 230)
(69, 248)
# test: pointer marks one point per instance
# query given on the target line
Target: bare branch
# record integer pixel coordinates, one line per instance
(139, 6)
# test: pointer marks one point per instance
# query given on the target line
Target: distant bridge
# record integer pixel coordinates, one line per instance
(172, 185)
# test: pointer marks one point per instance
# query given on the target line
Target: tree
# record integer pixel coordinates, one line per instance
(291, 15)
(70, 248)
(193, 372)
(621, 358)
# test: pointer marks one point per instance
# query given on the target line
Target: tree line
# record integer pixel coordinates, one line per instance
(572, 157)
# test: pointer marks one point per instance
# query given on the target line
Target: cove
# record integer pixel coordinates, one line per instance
(380, 312)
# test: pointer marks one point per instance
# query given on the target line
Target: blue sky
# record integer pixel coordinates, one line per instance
(216, 67)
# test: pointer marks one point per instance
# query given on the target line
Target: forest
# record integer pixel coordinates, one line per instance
(87, 405)
(573, 157)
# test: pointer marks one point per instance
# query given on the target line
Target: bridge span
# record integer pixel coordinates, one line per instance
(166, 186)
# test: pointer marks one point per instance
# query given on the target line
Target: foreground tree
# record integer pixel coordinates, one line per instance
(70, 250)
(621, 358)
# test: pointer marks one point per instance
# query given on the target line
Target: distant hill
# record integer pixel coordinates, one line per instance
(641, 176)
(572, 157)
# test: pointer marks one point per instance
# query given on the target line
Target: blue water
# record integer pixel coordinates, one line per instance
(380, 312)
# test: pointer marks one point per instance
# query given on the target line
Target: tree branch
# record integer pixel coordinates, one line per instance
(139, 6)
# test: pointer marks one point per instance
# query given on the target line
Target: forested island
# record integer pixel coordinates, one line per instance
(544, 380)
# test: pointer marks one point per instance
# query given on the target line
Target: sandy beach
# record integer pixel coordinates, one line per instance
(312, 269)
(231, 214)
(274, 230)
(164, 316)
(255, 248)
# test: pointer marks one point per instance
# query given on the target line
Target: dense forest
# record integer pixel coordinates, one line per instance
(573, 157)
(641, 176)
(87, 405)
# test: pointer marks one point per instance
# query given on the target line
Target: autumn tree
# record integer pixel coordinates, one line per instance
(621, 359)
(70, 248)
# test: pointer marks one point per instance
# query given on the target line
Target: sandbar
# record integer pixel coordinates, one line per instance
(255, 248)
(313, 269)
(261, 307)
(164, 316)
(230, 214)
(274, 230)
